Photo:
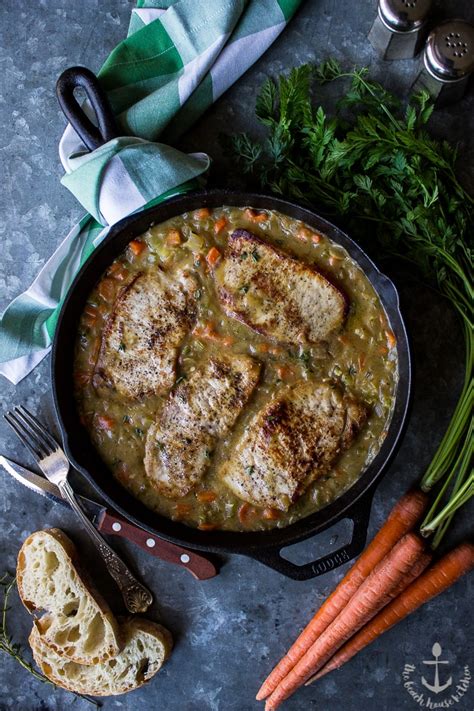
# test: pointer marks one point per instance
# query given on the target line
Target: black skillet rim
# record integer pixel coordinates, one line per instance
(86, 460)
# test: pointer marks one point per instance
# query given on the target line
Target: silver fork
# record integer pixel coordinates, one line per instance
(55, 466)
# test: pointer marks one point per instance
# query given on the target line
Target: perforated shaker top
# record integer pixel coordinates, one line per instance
(404, 15)
(449, 51)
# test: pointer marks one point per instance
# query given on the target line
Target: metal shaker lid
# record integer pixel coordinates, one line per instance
(404, 15)
(449, 50)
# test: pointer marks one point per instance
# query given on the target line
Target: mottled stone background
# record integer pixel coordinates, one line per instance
(231, 629)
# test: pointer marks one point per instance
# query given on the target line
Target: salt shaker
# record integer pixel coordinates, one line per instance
(400, 28)
(448, 60)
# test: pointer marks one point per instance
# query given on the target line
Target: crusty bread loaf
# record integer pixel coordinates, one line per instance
(81, 625)
(147, 646)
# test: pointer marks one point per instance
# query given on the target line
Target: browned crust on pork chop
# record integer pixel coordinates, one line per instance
(276, 294)
(293, 440)
(200, 411)
(150, 318)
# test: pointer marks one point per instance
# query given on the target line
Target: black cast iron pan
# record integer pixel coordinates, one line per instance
(264, 546)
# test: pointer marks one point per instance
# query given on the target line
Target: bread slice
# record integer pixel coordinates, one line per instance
(81, 625)
(147, 646)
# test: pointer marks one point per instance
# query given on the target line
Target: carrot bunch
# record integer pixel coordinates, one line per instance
(391, 579)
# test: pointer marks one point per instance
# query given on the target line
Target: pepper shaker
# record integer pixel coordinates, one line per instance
(448, 60)
(400, 27)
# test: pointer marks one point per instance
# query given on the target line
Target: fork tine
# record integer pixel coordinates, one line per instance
(38, 427)
(33, 432)
(22, 435)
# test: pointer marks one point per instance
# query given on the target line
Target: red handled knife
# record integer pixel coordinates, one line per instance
(107, 521)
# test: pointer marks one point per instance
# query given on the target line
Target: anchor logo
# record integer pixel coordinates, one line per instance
(436, 687)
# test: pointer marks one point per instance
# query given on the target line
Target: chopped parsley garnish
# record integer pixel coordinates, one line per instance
(250, 469)
(180, 379)
(305, 357)
(139, 431)
(255, 255)
(244, 289)
(122, 346)
(126, 418)
(160, 446)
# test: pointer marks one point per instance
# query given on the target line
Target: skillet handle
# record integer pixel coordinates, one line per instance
(92, 136)
(359, 514)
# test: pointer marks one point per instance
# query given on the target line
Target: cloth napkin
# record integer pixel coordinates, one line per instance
(178, 58)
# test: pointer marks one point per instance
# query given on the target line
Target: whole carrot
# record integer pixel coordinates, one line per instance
(419, 566)
(374, 593)
(403, 517)
(438, 578)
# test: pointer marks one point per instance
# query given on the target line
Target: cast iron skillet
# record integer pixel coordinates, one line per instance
(264, 546)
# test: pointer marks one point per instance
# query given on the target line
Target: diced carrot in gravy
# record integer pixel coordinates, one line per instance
(283, 372)
(303, 234)
(136, 247)
(271, 514)
(182, 509)
(206, 496)
(173, 238)
(213, 256)
(202, 214)
(391, 340)
(219, 225)
(104, 422)
(246, 513)
(256, 216)
(207, 526)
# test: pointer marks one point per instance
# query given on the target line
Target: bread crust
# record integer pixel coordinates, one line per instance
(42, 624)
(131, 626)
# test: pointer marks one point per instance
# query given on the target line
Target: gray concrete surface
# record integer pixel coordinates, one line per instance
(231, 629)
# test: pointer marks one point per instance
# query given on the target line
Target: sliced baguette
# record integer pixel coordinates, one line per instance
(147, 646)
(81, 625)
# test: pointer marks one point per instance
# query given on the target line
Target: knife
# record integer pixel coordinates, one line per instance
(107, 521)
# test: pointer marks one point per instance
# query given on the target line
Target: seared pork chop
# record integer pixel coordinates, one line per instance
(275, 294)
(150, 318)
(291, 442)
(197, 413)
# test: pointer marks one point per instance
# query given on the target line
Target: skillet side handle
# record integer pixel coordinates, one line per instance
(359, 515)
(92, 136)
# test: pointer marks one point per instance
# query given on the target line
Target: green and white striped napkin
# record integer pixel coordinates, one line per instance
(178, 58)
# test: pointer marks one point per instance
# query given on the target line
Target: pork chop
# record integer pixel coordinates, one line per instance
(275, 294)
(196, 415)
(150, 318)
(292, 441)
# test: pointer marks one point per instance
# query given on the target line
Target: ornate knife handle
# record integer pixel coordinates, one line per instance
(137, 597)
